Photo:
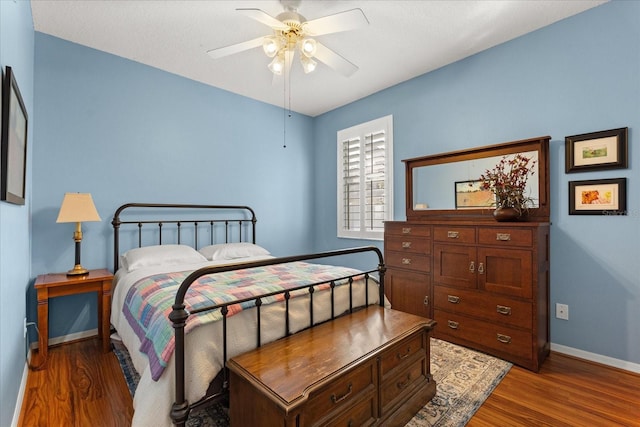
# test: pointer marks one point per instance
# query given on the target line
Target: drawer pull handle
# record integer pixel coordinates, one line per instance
(472, 267)
(406, 245)
(426, 300)
(503, 309)
(504, 338)
(336, 399)
(406, 261)
(453, 234)
(452, 324)
(404, 356)
(481, 268)
(453, 299)
(406, 230)
(503, 237)
(403, 384)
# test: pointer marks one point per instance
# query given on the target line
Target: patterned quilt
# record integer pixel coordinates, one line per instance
(148, 302)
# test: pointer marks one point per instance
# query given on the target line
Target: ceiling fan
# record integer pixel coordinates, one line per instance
(292, 32)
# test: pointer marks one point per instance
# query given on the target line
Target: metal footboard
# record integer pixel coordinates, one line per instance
(179, 315)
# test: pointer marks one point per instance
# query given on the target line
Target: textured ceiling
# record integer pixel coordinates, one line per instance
(403, 40)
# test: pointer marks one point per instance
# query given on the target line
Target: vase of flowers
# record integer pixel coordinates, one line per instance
(508, 181)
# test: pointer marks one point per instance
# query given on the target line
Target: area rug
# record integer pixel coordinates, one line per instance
(464, 379)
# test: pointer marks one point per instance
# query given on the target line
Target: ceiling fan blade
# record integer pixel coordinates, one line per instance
(334, 60)
(235, 48)
(343, 21)
(265, 18)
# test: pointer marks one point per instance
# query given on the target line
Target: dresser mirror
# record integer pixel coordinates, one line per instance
(437, 186)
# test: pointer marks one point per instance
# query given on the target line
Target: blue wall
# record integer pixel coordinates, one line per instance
(577, 76)
(16, 51)
(126, 132)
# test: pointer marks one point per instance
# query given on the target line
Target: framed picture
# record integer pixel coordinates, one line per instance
(471, 195)
(14, 142)
(602, 150)
(598, 197)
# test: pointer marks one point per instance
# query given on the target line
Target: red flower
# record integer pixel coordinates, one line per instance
(508, 180)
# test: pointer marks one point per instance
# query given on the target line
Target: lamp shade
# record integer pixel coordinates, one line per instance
(308, 47)
(308, 64)
(277, 65)
(77, 207)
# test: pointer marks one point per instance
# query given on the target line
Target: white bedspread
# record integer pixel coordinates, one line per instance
(203, 354)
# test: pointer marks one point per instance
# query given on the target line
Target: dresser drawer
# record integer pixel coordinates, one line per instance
(401, 353)
(500, 338)
(407, 229)
(407, 244)
(409, 261)
(343, 392)
(495, 308)
(454, 234)
(399, 386)
(505, 236)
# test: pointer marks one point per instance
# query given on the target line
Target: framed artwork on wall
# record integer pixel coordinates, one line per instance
(598, 197)
(14, 142)
(602, 150)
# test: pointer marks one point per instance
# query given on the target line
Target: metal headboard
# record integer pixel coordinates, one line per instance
(242, 215)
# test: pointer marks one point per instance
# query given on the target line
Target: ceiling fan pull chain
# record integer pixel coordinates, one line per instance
(284, 116)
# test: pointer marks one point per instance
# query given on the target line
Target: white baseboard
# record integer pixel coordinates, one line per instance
(73, 337)
(21, 390)
(598, 358)
(67, 338)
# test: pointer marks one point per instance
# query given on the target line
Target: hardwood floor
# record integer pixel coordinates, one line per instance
(84, 387)
(81, 386)
(566, 392)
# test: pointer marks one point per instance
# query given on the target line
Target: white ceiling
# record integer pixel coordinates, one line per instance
(404, 39)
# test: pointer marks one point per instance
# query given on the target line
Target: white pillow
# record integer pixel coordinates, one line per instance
(149, 256)
(232, 251)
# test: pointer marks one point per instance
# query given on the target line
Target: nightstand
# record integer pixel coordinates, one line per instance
(59, 284)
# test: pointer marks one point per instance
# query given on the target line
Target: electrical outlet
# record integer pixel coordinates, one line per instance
(562, 311)
(25, 328)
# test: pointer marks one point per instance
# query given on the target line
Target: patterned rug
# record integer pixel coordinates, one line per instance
(464, 378)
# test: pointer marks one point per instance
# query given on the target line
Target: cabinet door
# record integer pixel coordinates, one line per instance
(505, 271)
(409, 292)
(454, 265)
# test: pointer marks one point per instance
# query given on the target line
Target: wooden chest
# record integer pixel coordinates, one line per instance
(367, 368)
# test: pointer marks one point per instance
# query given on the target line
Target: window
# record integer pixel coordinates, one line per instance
(365, 179)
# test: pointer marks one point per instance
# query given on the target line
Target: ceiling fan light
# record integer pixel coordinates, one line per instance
(308, 47)
(277, 65)
(308, 64)
(270, 46)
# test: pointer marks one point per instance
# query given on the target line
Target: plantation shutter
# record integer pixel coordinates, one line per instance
(364, 190)
(374, 176)
(352, 172)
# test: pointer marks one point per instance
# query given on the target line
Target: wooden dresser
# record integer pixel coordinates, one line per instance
(485, 283)
(367, 368)
(488, 286)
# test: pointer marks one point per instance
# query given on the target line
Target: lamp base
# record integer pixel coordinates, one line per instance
(78, 270)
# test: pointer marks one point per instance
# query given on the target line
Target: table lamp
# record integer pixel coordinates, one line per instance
(78, 208)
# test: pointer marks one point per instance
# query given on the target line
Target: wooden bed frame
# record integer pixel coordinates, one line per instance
(240, 218)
